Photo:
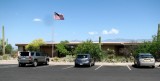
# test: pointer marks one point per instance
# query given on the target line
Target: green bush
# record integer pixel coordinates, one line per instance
(69, 58)
(113, 58)
(103, 56)
(14, 55)
(88, 47)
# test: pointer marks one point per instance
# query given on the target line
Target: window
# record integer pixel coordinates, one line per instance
(32, 53)
(82, 56)
(24, 53)
(146, 56)
(37, 54)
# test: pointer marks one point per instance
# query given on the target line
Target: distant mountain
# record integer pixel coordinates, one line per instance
(75, 41)
(126, 40)
(117, 40)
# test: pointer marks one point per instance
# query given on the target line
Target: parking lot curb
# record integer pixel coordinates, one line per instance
(8, 62)
(72, 63)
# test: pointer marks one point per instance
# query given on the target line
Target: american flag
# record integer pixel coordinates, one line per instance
(58, 16)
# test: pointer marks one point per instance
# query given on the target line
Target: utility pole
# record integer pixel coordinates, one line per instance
(3, 41)
(100, 42)
(158, 33)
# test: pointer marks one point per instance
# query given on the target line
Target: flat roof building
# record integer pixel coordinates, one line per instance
(47, 47)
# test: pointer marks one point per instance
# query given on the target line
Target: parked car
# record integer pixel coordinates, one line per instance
(33, 58)
(84, 59)
(144, 59)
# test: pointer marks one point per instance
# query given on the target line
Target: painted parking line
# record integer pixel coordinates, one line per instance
(98, 67)
(128, 67)
(68, 67)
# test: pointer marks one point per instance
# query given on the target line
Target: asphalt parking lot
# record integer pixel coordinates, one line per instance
(11, 72)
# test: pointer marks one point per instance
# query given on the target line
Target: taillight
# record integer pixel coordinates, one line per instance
(30, 58)
(142, 60)
(152, 60)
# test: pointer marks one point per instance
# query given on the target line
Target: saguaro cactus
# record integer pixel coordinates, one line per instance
(99, 42)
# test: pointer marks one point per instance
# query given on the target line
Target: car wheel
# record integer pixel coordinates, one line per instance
(23, 65)
(153, 66)
(93, 64)
(75, 65)
(47, 62)
(90, 64)
(135, 65)
(19, 65)
(35, 63)
(138, 65)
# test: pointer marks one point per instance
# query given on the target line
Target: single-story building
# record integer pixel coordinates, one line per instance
(49, 46)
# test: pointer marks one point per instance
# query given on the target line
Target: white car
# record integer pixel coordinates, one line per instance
(144, 59)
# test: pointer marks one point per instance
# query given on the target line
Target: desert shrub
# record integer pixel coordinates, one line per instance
(6, 57)
(55, 59)
(1, 57)
(69, 58)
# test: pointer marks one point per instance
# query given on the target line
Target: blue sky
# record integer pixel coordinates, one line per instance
(26, 20)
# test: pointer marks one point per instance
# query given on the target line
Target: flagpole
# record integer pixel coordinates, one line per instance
(57, 16)
(52, 30)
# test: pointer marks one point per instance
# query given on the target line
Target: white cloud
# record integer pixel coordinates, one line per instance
(112, 31)
(92, 33)
(37, 20)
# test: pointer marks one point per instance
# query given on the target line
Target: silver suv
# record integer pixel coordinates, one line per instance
(33, 58)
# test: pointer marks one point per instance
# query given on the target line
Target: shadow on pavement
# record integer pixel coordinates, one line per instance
(82, 66)
(142, 67)
(30, 65)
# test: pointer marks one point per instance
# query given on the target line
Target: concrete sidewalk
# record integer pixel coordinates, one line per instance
(100, 63)
(8, 61)
(72, 63)
(97, 63)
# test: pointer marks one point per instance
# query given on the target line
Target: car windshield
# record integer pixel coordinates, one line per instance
(146, 56)
(24, 53)
(82, 56)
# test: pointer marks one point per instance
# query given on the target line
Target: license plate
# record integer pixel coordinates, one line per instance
(146, 60)
(80, 64)
(23, 58)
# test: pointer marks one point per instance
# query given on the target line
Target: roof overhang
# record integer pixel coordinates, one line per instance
(76, 43)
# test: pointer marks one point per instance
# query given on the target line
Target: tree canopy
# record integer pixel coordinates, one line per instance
(35, 45)
(8, 47)
(63, 48)
(88, 47)
(152, 47)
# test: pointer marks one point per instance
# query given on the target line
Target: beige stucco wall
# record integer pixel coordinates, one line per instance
(20, 48)
(48, 50)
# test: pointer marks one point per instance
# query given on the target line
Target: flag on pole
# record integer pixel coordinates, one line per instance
(58, 16)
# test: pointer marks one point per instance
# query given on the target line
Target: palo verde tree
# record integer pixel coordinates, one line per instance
(35, 45)
(8, 47)
(143, 48)
(88, 47)
(151, 46)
